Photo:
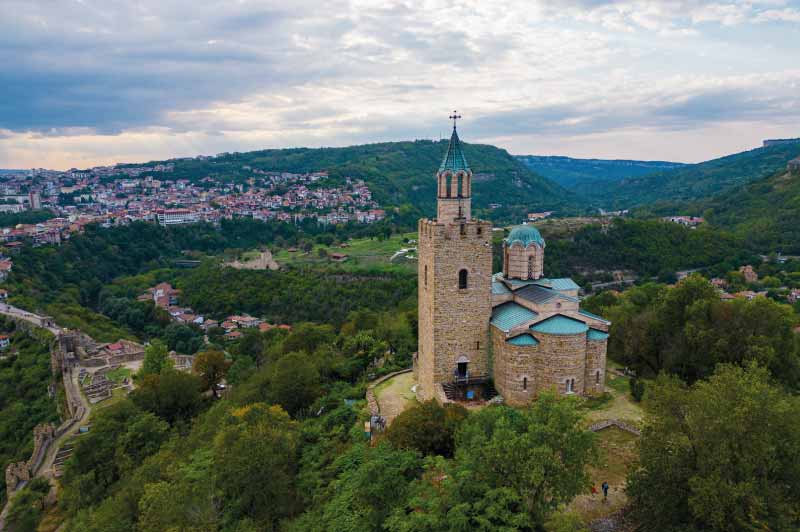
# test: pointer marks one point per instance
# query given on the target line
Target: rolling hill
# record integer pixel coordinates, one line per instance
(765, 213)
(400, 173)
(698, 181)
(588, 176)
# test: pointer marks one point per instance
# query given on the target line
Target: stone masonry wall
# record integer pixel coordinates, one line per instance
(562, 357)
(450, 209)
(516, 258)
(453, 322)
(512, 364)
(595, 366)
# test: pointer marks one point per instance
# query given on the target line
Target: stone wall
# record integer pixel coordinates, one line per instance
(43, 437)
(513, 364)
(515, 261)
(451, 209)
(453, 322)
(562, 357)
(595, 367)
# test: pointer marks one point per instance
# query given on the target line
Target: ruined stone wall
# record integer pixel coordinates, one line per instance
(453, 322)
(512, 365)
(595, 366)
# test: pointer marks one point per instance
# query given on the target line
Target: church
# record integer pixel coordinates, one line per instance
(516, 331)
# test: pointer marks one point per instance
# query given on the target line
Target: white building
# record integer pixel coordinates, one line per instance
(176, 216)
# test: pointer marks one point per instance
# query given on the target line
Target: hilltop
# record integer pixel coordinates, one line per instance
(701, 180)
(588, 176)
(398, 174)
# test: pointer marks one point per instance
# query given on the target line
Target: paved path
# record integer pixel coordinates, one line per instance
(30, 317)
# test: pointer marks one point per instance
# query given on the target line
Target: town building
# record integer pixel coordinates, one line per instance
(794, 165)
(750, 276)
(522, 331)
(5, 341)
(176, 216)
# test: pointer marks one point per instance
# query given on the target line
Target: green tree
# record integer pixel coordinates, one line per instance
(722, 452)
(211, 367)
(155, 358)
(429, 428)
(172, 395)
(27, 506)
(256, 462)
(294, 382)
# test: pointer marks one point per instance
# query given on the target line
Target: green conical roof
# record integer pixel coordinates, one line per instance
(454, 160)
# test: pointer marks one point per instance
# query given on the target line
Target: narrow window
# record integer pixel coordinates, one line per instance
(572, 385)
(530, 267)
(461, 193)
(524, 383)
(478, 344)
(462, 279)
(426, 276)
(463, 227)
(480, 230)
(597, 378)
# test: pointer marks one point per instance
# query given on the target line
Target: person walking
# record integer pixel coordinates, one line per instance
(605, 491)
(594, 491)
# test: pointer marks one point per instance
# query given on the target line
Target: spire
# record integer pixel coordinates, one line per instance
(454, 160)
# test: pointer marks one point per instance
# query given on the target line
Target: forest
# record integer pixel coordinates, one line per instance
(24, 400)
(283, 448)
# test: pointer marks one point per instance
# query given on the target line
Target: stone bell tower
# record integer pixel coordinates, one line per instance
(455, 279)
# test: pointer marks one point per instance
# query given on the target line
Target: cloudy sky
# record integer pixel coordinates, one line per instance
(87, 82)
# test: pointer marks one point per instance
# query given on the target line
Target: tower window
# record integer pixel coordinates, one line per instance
(462, 279)
(570, 385)
(597, 378)
(478, 344)
(480, 230)
(530, 267)
(524, 383)
(463, 226)
(426, 276)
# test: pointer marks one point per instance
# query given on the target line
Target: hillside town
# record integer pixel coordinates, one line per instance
(120, 194)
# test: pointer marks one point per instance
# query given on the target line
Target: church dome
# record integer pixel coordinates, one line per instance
(525, 235)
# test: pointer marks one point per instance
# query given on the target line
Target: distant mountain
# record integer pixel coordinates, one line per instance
(400, 173)
(703, 180)
(587, 176)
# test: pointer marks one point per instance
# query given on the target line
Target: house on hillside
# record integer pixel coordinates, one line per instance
(750, 276)
(5, 341)
(794, 165)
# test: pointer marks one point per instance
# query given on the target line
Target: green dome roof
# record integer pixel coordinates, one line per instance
(525, 235)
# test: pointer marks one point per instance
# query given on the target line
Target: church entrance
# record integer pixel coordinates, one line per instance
(462, 370)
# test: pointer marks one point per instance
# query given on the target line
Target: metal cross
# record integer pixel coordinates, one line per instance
(455, 116)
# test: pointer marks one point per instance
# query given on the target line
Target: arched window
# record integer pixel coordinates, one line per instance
(462, 279)
(447, 179)
(530, 267)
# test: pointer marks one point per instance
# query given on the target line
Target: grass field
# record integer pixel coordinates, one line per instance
(360, 252)
(395, 395)
(119, 374)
